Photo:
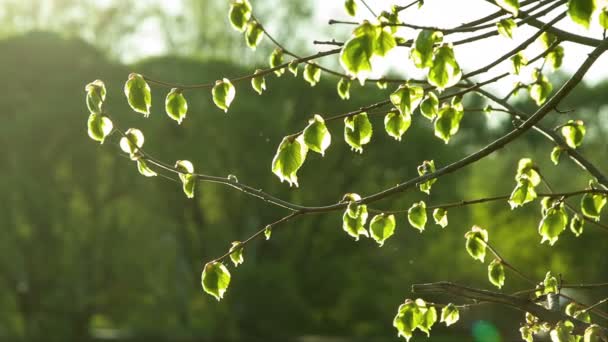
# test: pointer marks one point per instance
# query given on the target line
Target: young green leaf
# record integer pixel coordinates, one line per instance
(254, 34)
(223, 93)
(99, 127)
(440, 216)
(316, 135)
(382, 84)
(215, 279)
(236, 253)
(556, 154)
(594, 333)
(132, 142)
(407, 319)
(354, 219)
(422, 51)
(186, 170)
(427, 166)
(267, 232)
(239, 14)
(289, 158)
(356, 55)
(383, 43)
(293, 67)
(550, 284)
(96, 94)
(577, 311)
(407, 98)
(258, 82)
(506, 27)
(496, 273)
(416, 215)
(577, 225)
(603, 18)
(547, 39)
(445, 71)
(447, 123)
(429, 317)
(526, 333)
(350, 6)
(176, 105)
(138, 94)
(449, 314)
(523, 193)
(275, 60)
(511, 6)
(592, 204)
(344, 88)
(429, 107)
(527, 169)
(562, 332)
(357, 131)
(581, 11)
(476, 240)
(144, 169)
(574, 132)
(518, 61)
(382, 227)
(312, 74)
(540, 90)
(553, 224)
(555, 57)
(396, 124)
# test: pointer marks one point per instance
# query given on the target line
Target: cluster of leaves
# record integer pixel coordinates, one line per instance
(416, 314)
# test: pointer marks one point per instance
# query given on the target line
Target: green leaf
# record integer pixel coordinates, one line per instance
(547, 39)
(523, 193)
(215, 279)
(382, 227)
(275, 60)
(407, 98)
(350, 6)
(344, 88)
(518, 61)
(293, 67)
(384, 43)
(407, 319)
(429, 317)
(239, 14)
(592, 204)
(527, 169)
(427, 166)
(450, 314)
(506, 27)
(186, 170)
(132, 142)
(562, 332)
(289, 158)
(580, 11)
(429, 107)
(316, 135)
(422, 51)
(594, 333)
(223, 93)
(99, 127)
(476, 240)
(440, 216)
(603, 18)
(496, 273)
(550, 284)
(556, 154)
(138, 94)
(357, 131)
(416, 215)
(526, 334)
(258, 82)
(176, 105)
(144, 169)
(577, 225)
(96, 94)
(541, 89)
(574, 132)
(254, 34)
(356, 55)
(354, 219)
(382, 84)
(553, 224)
(445, 71)
(312, 74)
(577, 311)
(236, 253)
(396, 124)
(447, 123)
(267, 232)
(511, 6)
(555, 57)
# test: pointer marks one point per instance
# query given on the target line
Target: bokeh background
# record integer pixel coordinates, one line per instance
(92, 251)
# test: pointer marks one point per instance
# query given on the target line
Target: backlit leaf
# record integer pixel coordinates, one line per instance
(254, 34)
(422, 51)
(258, 82)
(344, 88)
(396, 124)
(215, 279)
(440, 216)
(99, 127)
(445, 71)
(581, 11)
(289, 158)
(382, 227)
(144, 169)
(476, 240)
(592, 204)
(96, 95)
(239, 14)
(553, 224)
(496, 273)
(176, 105)
(574, 132)
(138, 94)
(449, 314)
(236, 253)
(312, 74)
(316, 135)
(511, 6)
(357, 131)
(223, 93)
(416, 215)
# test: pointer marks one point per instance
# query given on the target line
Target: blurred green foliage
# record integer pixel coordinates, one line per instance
(89, 248)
